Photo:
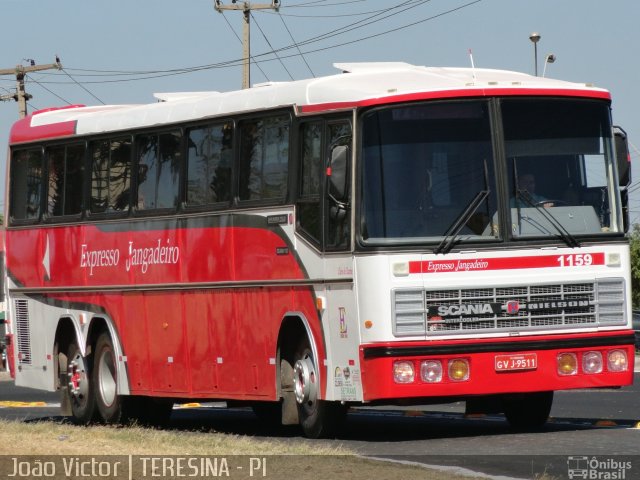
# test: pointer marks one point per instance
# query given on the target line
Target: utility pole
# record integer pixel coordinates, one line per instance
(20, 71)
(246, 7)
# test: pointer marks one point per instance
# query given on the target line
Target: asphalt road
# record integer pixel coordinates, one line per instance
(585, 424)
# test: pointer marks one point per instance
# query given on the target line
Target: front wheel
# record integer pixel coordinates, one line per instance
(528, 411)
(318, 418)
(80, 390)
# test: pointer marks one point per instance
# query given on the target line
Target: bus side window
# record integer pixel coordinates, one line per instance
(26, 184)
(210, 155)
(159, 159)
(264, 158)
(65, 180)
(339, 215)
(110, 175)
(309, 205)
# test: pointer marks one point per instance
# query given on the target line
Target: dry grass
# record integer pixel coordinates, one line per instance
(52, 438)
(309, 460)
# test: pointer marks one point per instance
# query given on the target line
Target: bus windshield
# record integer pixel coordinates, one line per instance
(430, 172)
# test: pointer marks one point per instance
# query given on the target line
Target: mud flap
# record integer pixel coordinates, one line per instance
(63, 386)
(65, 402)
(289, 404)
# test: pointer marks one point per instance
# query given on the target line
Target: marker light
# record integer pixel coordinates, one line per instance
(459, 370)
(403, 372)
(567, 364)
(592, 362)
(431, 371)
(617, 361)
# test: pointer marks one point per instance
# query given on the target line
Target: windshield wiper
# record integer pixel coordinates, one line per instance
(564, 233)
(452, 232)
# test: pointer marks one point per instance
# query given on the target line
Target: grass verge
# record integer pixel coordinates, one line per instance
(309, 460)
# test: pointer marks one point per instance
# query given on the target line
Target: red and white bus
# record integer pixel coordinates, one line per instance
(389, 234)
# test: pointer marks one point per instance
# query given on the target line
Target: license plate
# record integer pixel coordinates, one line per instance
(520, 361)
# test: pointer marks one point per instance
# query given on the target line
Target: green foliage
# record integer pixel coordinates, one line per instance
(634, 240)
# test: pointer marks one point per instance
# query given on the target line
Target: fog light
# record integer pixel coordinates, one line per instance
(431, 371)
(567, 364)
(617, 361)
(459, 370)
(592, 362)
(403, 372)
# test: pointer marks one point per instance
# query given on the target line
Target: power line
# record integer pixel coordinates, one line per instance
(147, 75)
(297, 46)
(271, 47)
(82, 86)
(48, 90)
(314, 4)
(20, 71)
(240, 40)
(339, 15)
(246, 7)
(330, 34)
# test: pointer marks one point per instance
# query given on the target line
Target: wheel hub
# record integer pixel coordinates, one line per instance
(77, 373)
(304, 381)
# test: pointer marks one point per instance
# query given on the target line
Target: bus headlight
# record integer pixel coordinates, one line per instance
(431, 371)
(617, 361)
(459, 370)
(403, 372)
(592, 362)
(567, 364)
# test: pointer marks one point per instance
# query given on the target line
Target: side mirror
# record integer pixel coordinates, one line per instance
(623, 158)
(338, 173)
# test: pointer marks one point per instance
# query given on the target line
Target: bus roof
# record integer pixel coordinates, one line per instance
(359, 84)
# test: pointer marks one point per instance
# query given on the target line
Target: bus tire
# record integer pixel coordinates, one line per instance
(80, 390)
(528, 411)
(318, 418)
(110, 405)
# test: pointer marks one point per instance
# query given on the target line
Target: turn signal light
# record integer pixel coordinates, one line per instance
(567, 364)
(459, 370)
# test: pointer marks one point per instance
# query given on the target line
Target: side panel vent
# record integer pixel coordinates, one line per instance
(23, 332)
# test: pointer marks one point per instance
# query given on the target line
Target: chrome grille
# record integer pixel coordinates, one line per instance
(512, 308)
(23, 331)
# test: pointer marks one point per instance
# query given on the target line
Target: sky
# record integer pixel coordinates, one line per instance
(123, 51)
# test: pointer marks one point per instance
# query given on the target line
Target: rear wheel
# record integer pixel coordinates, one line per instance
(111, 406)
(318, 418)
(528, 411)
(80, 391)
(114, 408)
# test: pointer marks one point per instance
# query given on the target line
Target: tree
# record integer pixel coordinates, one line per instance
(634, 240)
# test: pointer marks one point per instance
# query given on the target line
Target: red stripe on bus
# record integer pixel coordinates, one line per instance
(22, 131)
(472, 92)
(506, 263)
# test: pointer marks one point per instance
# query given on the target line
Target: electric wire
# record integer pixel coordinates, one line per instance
(232, 63)
(82, 86)
(236, 62)
(48, 90)
(240, 40)
(313, 4)
(270, 46)
(297, 46)
(339, 15)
